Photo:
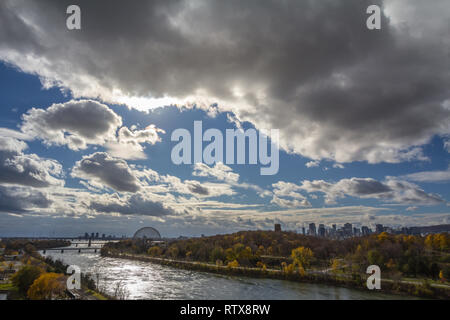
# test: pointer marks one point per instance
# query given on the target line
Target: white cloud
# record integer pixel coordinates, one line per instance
(429, 176)
(14, 199)
(79, 123)
(290, 203)
(102, 170)
(287, 195)
(219, 171)
(17, 167)
(447, 145)
(129, 142)
(6, 132)
(222, 172)
(74, 123)
(391, 190)
(312, 164)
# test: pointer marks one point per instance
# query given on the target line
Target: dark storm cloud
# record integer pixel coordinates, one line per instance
(75, 123)
(101, 169)
(137, 204)
(21, 200)
(19, 168)
(311, 68)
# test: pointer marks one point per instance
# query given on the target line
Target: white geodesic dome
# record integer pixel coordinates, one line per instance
(147, 233)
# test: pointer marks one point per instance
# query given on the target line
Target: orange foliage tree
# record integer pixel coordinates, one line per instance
(48, 286)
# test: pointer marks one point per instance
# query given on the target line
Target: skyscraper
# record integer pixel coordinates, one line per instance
(321, 230)
(365, 230)
(312, 229)
(379, 228)
(348, 230)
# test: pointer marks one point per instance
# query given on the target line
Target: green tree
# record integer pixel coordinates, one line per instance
(217, 254)
(25, 277)
(375, 257)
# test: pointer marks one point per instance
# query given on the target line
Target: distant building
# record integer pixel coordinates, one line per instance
(277, 227)
(348, 230)
(321, 230)
(303, 231)
(379, 228)
(312, 229)
(147, 233)
(365, 230)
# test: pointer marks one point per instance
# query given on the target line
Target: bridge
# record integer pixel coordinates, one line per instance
(72, 249)
(90, 246)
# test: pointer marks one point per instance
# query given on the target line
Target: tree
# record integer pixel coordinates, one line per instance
(230, 255)
(302, 257)
(217, 254)
(245, 256)
(375, 257)
(391, 265)
(233, 264)
(173, 251)
(47, 286)
(288, 268)
(25, 277)
(154, 251)
(434, 270)
(261, 265)
(441, 276)
(429, 241)
(383, 237)
(260, 251)
(336, 266)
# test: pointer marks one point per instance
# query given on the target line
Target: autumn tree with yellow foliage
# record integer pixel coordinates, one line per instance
(47, 287)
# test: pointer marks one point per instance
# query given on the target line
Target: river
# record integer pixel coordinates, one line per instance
(145, 280)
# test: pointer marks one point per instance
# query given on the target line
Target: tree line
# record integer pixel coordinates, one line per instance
(396, 255)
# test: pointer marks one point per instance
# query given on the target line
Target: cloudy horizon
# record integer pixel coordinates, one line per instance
(87, 115)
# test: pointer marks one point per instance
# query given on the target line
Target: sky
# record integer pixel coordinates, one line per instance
(87, 116)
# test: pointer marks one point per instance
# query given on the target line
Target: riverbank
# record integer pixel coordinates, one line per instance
(354, 281)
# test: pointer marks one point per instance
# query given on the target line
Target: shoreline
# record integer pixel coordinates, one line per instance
(357, 282)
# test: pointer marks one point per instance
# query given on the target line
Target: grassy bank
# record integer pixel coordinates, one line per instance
(355, 281)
